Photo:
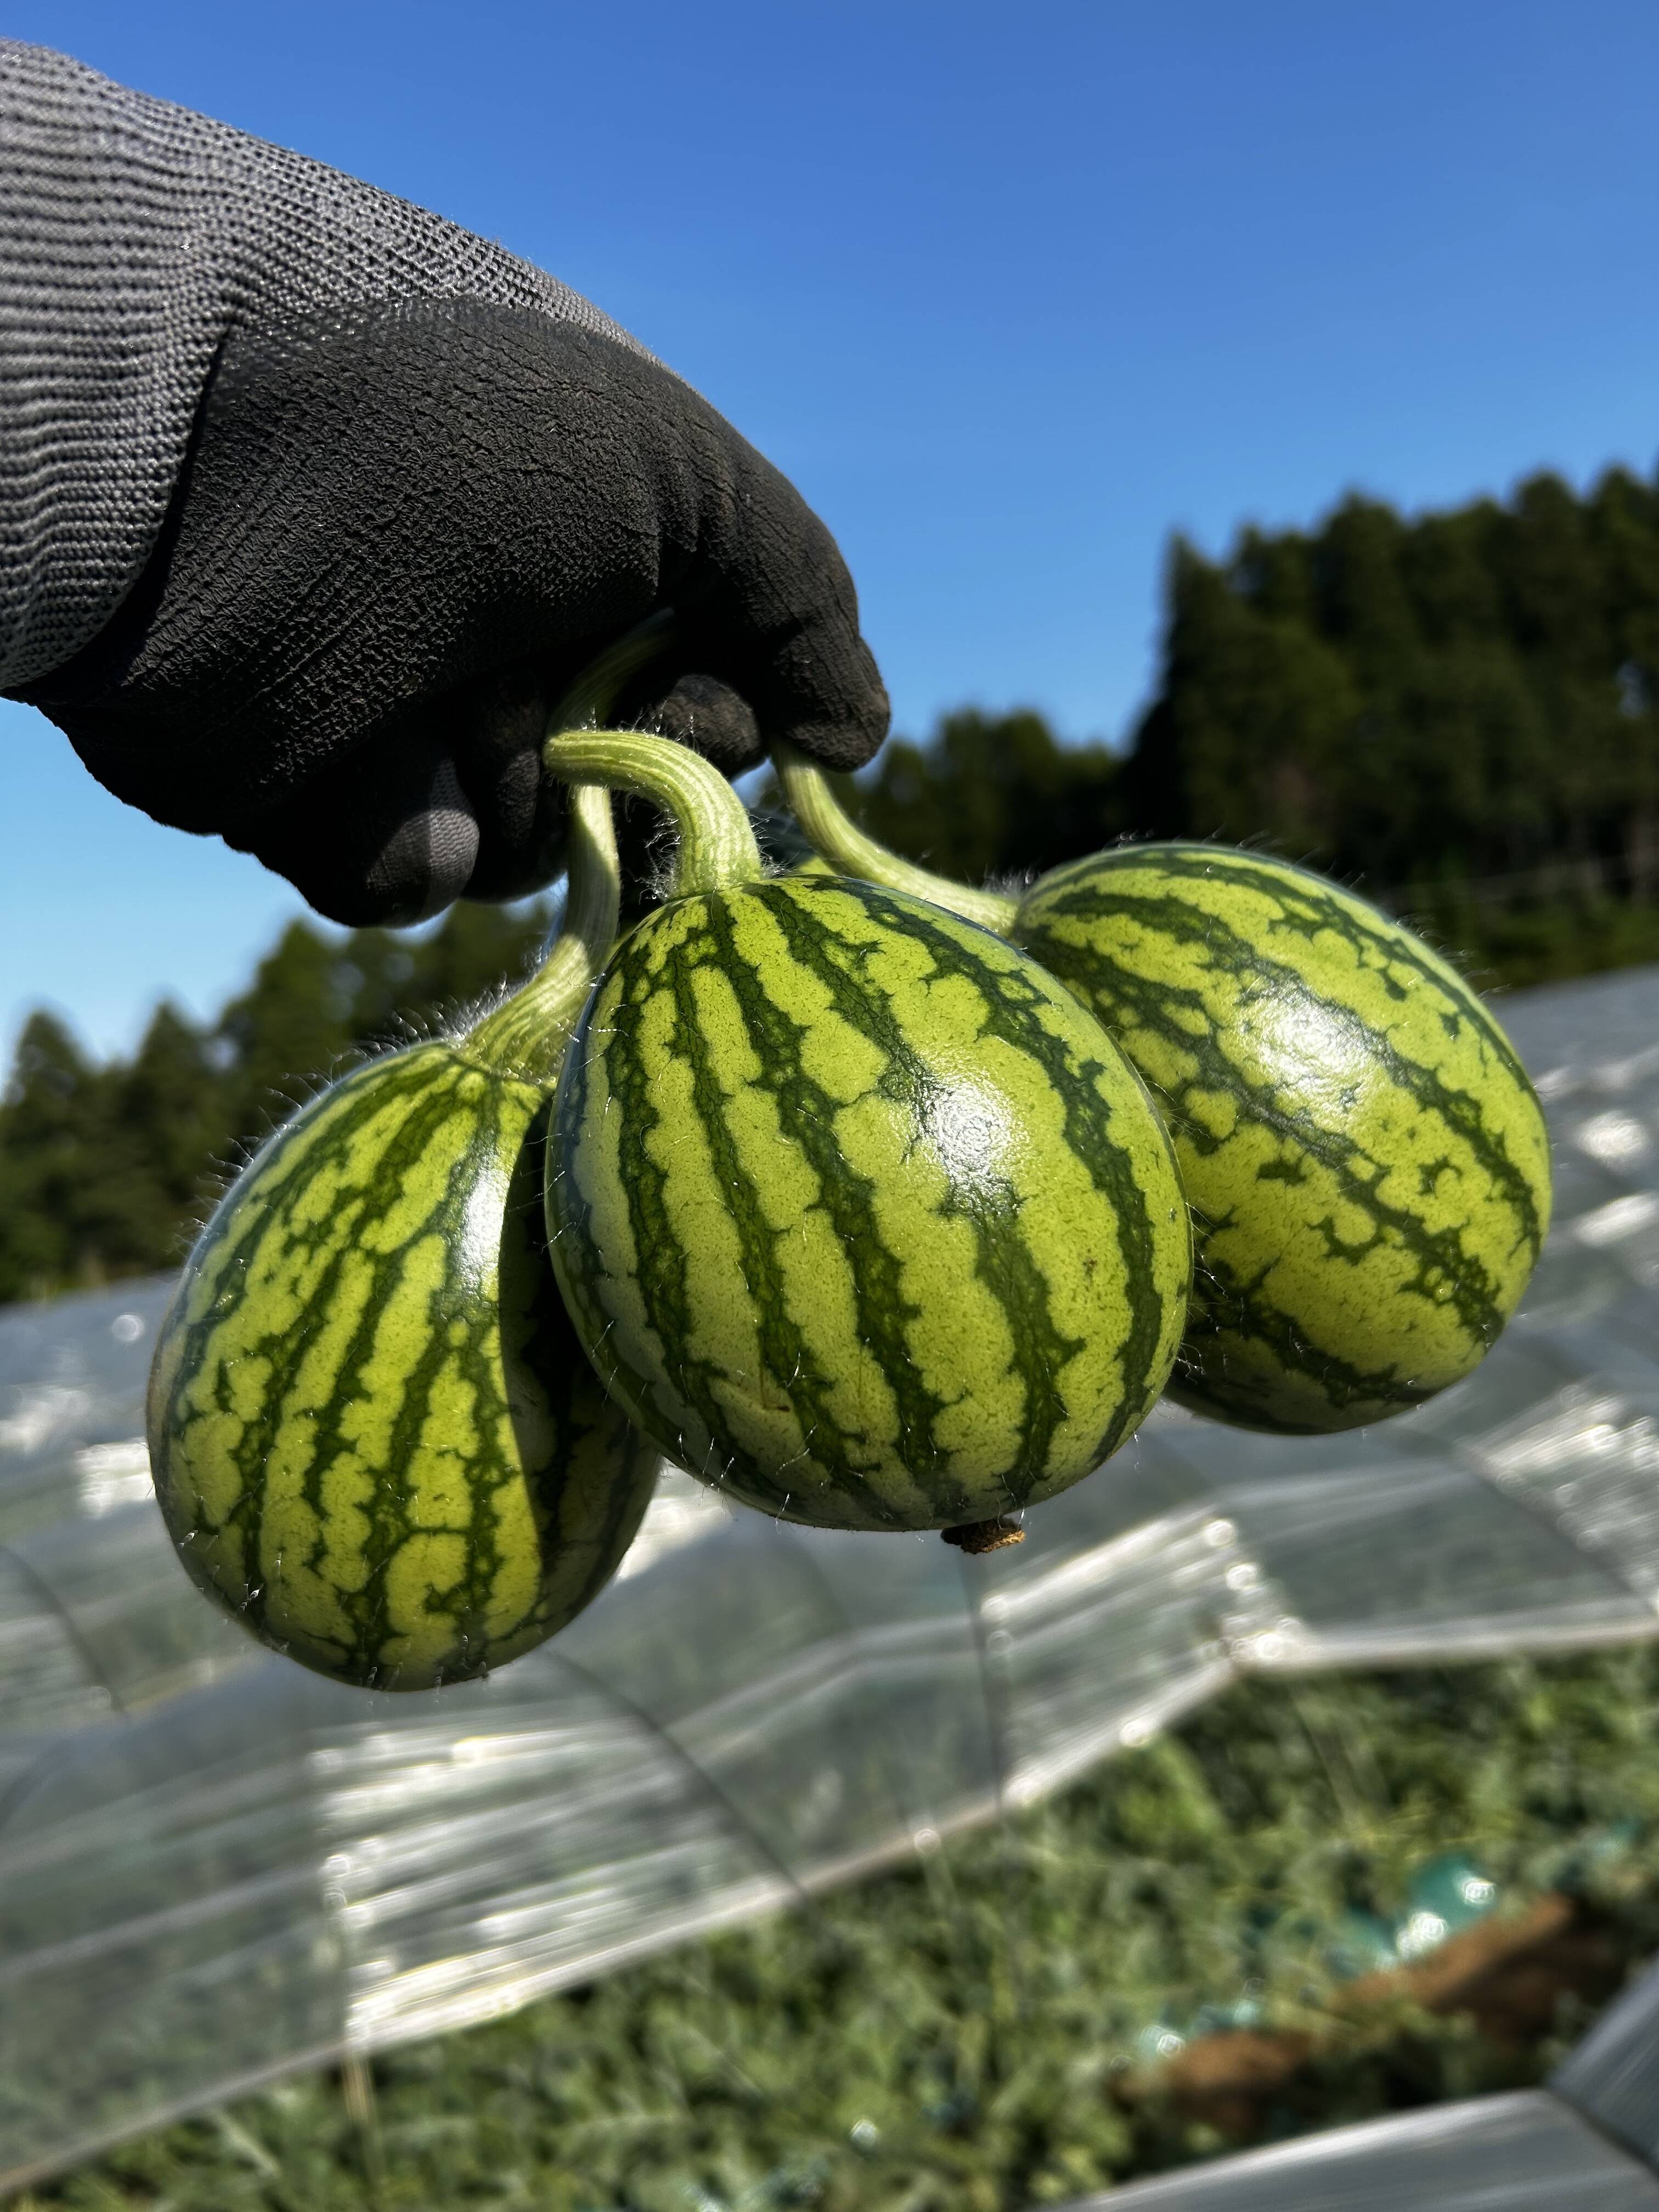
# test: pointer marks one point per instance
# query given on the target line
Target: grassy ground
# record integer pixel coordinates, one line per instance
(975, 2033)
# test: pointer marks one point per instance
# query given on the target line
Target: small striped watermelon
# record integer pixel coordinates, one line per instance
(859, 1213)
(376, 1441)
(1365, 1157)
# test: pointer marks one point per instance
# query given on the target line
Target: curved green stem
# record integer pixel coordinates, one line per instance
(717, 846)
(527, 1036)
(832, 832)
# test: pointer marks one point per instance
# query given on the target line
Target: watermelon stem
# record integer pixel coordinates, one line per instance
(527, 1036)
(831, 831)
(717, 846)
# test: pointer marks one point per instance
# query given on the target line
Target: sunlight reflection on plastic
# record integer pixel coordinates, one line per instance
(247, 1866)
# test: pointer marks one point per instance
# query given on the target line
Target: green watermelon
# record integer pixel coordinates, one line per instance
(375, 1439)
(1366, 1159)
(860, 1214)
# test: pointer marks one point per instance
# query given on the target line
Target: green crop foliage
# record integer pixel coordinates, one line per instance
(958, 2035)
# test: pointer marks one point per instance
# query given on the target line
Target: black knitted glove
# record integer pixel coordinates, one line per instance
(311, 505)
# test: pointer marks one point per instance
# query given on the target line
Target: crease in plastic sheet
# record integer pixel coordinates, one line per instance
(214, 1866)
(1612, 2076)
(1523, 2153)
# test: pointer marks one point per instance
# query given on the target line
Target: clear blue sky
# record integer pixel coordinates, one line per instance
(1011, 292)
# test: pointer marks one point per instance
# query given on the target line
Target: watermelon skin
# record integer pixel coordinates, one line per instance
(860, 1214)
(1366, 1159)
(375, 1440)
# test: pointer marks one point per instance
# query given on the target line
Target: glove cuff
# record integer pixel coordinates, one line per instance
(134, 235)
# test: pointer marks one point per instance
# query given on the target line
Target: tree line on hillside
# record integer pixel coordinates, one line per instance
(1460, 711)
(1456, 696)
(106, 1170)
(1409, 702)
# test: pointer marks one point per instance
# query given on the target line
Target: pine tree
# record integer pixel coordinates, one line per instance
(993, 795)
(108, 1171)
(288, 1032)
(1253, 731)
(171, 1133)
(52, 1161)
(478, 949)
(1423, 701)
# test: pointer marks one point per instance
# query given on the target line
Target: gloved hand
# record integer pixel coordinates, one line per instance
(338, 500)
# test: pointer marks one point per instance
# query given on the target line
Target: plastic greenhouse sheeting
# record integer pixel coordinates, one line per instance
(1525, 2153)
(215, 1867)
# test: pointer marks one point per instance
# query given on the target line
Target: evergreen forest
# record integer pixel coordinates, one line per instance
(106, 1170)
(1457, 711)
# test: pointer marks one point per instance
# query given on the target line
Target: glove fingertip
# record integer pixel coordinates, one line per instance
(833, 704)
(708, 717)
(837, 746)
(847, 740)
(428, 861)
(387, 839)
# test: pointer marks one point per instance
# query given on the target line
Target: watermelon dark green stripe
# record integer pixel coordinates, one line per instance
(857, 1213)
(1218, 1065)
(667, 1266)
(1366, 1160)
(1117, 1171)
(808, 1110)
(374, 1436)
